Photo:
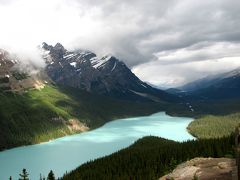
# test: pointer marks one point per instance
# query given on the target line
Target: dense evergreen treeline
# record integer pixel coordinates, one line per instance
(211, 126)
(150, 158)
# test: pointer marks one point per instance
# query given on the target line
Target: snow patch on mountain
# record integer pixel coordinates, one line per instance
(115, 64)
(96, 63)
(153, 98)
(144, 85)
(74, 64)
(69, 56)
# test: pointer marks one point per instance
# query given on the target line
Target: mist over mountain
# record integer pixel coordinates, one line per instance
(165, 43)
(17, 76)
(219, 86)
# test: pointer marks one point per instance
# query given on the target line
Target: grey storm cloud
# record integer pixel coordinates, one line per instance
(158, 26)
(173, 35)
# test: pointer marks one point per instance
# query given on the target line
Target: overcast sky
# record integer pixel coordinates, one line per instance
(165, 42)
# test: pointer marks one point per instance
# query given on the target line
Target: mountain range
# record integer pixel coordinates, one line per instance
(108, 76)
(214, 87)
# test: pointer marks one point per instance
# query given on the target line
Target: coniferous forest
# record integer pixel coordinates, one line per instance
(150, 158)
(147, 159)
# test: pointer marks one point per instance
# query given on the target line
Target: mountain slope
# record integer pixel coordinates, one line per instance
(201, 83)
(106, 76)
(15, 77)
(210, 80)
(221, 86)
(40, 115)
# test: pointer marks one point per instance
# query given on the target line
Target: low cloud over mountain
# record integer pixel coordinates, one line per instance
(163, 41)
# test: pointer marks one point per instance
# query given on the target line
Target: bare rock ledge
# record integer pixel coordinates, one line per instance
(204, 169)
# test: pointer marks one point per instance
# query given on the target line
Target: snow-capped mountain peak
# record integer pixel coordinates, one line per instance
(107, 75)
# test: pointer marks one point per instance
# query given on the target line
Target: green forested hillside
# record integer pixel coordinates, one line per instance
(215, 119)
(150, 158)
(41, 115)
(212, 126)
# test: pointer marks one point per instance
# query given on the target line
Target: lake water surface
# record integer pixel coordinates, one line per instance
(67, 153)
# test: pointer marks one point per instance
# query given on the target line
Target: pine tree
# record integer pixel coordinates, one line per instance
(24, 175)
(42, 177)
(51, 176)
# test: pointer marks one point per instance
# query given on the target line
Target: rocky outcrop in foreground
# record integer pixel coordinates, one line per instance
(204, 169)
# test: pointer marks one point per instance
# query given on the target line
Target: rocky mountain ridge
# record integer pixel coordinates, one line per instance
(212, 80)
(219, 86)
(105, 76)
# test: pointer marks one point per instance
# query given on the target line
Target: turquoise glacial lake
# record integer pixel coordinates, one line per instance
(67, 153)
